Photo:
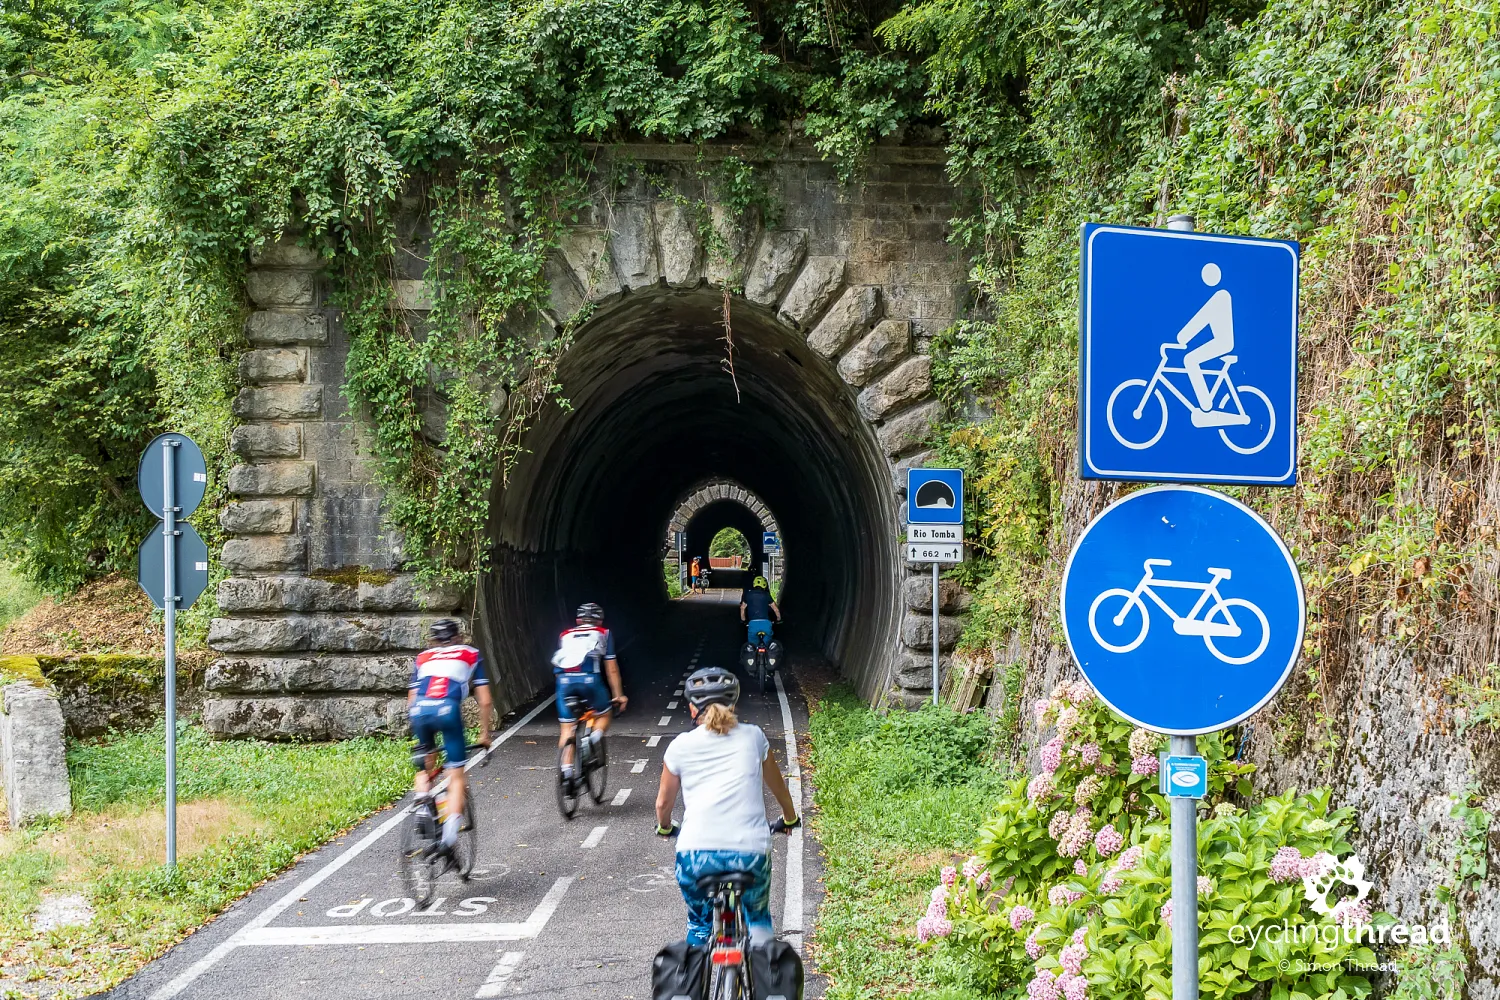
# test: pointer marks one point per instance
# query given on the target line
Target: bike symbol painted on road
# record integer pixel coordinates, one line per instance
(1218, 622)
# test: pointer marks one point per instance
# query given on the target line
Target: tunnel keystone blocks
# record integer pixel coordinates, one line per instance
(887, 343)
(774, 264)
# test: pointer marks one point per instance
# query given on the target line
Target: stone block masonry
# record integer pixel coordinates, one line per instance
(319, 614)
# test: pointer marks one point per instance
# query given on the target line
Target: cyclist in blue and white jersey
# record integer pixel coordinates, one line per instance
(442, 678)
(584, 663)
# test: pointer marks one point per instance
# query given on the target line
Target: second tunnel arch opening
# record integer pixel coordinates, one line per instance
(652, 411)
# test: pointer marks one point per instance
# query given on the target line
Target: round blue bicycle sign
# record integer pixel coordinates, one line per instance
(1183, 609)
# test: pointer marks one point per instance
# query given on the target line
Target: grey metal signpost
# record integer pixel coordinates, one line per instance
(935, 533)
(173, 571)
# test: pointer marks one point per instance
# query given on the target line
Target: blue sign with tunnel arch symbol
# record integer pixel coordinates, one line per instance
(934, 496)
(1183, 609)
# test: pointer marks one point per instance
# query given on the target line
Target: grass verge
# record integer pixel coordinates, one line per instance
(247, 810)
(897, 798)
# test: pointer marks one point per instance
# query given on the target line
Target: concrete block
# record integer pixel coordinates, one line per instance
(889, 342)
(286, 328)
(291, 718)
(910, 428)
(320, 633)
(916, 630)
(309, 674)
(413, 294)
(33, 761)
(849, 317)
(819, 281)
(565, 297)
(587, 254)
(913, 671)
(265, 554)
(276, 479)
(677, 244)
(273, 364)
(726, 259)
(259, 517)
(774, 265)
(917, 595)
(284, 254)
(632, 243)
(909, 382)
(899, 470)
(311, 594)
(280, 288)
(266, 440)
(279, 402)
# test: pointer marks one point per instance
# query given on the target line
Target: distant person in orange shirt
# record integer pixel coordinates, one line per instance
(694, 586)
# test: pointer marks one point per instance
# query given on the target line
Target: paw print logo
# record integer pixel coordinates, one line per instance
(1331, 873)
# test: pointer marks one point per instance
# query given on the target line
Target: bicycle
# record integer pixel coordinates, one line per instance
(589, 758)
(729, 939)
(762, 665)
(422, 838)
(1218, 623)
(1139, 426)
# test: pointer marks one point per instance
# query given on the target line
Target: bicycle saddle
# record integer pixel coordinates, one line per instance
(739, 880)
(575, 703)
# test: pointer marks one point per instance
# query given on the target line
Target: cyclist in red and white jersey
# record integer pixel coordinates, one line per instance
(443, 676)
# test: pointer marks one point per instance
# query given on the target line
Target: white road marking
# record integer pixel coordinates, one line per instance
(620, 797)
(638, 767)
(595, 835)
(270, 913)
(666, 720)
(653, 741)
(678, 693)
(791, 911)
(494, 983)
(671, 705)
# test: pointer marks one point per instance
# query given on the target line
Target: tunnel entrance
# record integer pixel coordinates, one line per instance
(718, 505)
(654, 413)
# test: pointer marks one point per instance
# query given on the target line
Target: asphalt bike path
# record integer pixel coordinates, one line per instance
(555, 908)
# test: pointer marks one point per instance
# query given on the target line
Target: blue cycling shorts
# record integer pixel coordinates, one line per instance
(589, 686)
(432, 718)
(758, 625)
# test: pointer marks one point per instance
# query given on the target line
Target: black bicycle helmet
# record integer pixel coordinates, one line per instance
(590, 612)
(443, 630)
(710, 685)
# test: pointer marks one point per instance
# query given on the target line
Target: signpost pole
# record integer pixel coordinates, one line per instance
(169, 592)
(934, 633)
(1184, 838)
(1184, 884)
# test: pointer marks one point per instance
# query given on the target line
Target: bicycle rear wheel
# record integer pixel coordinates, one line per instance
(597, 771)
(467, 849)
(726, 983)
(418, 856)
(567, 791)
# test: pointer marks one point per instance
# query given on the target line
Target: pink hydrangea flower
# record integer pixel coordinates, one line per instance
(930, 927)
(1089, 753)
(1111, 884)
(1080, 692)
(1322, 863)
(1166, 914)
(972, 868)
(939, 893)
(1205, 886)
(1143, 764)
(1039, 709)
(1043, 987)
(1081, 935)
(1108, 840)
(1061, 895)
(1288, 865)
(1106, 768)
(1040, 788)
(949, 875)
(1051, 755)
(1088, 789)
(1079, 868)
(1033, 947)
(1077, 835)
(1071, 958)
(1067, 721)
(1059, 824)
(1075, 988)
(938, 909)
(1020, 916)
(1351, 913)
(1142, 743)
(983, 881)
(1130, 858)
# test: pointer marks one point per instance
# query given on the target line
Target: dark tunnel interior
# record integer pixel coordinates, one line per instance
(654, 411)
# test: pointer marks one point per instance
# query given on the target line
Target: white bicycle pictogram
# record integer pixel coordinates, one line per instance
(1218, 623)
(1138, 432)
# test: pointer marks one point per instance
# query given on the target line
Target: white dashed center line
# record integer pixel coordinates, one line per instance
(637, 767)
(620, 797)
(653, 741)
(671, 704)
(666, 720)
(595, 835)
(494, 983)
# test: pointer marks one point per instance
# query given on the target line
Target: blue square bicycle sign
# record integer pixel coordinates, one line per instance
(1187, 357)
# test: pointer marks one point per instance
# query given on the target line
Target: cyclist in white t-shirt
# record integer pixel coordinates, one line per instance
(720, 767)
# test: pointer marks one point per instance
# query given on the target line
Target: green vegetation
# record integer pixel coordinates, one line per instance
(18, 595)
(729, 543)
(897, 797)
(247, 810)
(672, 578)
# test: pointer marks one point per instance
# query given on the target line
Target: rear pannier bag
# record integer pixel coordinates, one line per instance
(776, 971)
(680, 972)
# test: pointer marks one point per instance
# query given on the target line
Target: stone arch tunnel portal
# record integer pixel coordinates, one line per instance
(653, 414)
